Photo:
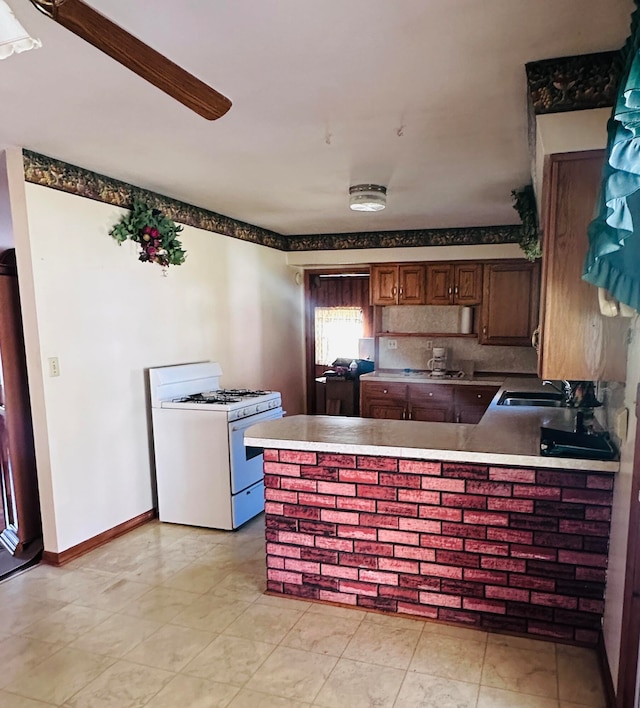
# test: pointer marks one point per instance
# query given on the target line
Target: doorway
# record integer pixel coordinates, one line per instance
(21, 532)
(337, 315)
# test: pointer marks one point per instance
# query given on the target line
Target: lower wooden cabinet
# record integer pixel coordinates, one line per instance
(430, 402)
(383, 400)
(472, 401)
(435, 403)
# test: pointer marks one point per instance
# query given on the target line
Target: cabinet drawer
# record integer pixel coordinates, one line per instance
(424, 393)
(475, 395)
(383, 390)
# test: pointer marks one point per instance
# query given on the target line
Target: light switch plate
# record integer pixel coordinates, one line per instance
(392, 343)
(54, 366)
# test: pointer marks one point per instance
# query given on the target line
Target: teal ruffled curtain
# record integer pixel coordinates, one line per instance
(613, 258)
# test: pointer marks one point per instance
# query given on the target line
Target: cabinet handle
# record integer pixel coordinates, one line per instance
(449, 291)
(401, 292)
(458, 418)
(394, 290)
(479, 395)
(385, 390)
(404, 414)
(455, 290)
(431, 393)
(484, 330)
(410, 416)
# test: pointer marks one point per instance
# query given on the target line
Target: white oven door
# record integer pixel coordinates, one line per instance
(246, 462)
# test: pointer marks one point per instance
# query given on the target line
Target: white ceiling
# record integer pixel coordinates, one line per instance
(427, 97)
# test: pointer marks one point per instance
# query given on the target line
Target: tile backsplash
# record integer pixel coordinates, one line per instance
(412, 352)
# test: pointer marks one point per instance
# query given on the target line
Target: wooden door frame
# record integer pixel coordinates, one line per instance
(630, 632)
(309, 328)
(24, 521)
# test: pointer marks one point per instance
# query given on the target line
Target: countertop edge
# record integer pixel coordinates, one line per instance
(433, 454)
(504, 436)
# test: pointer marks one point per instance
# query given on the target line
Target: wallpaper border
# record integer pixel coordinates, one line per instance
(56, 174)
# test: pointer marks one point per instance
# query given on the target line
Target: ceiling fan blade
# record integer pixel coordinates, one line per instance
(90, 25)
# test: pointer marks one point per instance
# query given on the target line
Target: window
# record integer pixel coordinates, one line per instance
(338, 330)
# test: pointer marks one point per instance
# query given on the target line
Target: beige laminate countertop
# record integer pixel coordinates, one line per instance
(504, 436)
(423, 377)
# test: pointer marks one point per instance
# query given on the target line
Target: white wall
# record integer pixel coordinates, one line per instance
(620, 514)
(573, 131)
(108, 317)
(317, 259)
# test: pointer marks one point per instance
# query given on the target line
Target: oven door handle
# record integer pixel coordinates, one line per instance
(245, 423)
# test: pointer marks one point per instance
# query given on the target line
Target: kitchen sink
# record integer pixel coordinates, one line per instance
(531, 398)
(563, 443)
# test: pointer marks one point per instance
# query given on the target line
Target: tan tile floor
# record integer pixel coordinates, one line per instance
(175, 617)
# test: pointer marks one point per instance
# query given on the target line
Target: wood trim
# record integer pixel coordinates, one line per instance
(605, 672)
(21, 482)
(90, 544)
(630, 631)
(309, 346)
(426, 334)
(309, 327)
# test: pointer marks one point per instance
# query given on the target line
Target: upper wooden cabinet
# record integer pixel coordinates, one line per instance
(509, 303)
(454, 284)
(576, 341)
(397, 284)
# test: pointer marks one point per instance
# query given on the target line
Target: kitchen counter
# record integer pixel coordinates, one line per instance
(506, 435)
(465, 524)
(414, 376)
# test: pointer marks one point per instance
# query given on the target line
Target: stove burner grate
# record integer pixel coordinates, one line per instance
(242, 392)
(216, 397)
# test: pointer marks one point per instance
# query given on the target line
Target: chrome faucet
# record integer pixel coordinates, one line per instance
(566, 390)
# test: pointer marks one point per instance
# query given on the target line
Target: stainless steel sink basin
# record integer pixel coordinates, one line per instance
(563, 443)
(531, 398)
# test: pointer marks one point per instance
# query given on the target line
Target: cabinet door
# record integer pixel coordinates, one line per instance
(411, 285)
(576, 342)
(439, 284)
(384, 284)
(509, 303)
(431, 402)
(383, 400)
(471, 402)
(391, 409)
(468, 284)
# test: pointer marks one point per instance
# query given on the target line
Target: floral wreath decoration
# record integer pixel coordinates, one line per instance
(154, 233)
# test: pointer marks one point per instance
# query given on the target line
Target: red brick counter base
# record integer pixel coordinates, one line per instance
(517, 550)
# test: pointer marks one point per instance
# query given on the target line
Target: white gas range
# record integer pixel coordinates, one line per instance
(205, 474)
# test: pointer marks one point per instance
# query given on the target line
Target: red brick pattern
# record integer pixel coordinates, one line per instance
(518, 550)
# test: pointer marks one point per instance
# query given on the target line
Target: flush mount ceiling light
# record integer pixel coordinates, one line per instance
(367, 197)
(14, 38)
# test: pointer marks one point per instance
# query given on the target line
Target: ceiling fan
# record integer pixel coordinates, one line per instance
(105, 35)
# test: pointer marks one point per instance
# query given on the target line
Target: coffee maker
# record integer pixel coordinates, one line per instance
(438, 362)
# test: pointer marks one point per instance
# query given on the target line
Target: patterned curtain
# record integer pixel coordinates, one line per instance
(338, 330)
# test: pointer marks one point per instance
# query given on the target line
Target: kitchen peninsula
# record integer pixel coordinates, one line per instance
(455, 522)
